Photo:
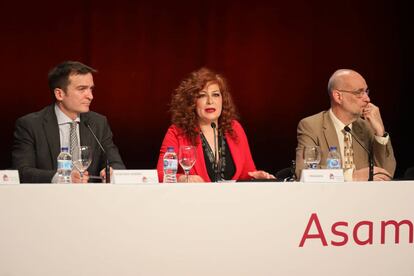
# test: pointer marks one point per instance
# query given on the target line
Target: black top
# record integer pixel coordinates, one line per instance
(226, 168)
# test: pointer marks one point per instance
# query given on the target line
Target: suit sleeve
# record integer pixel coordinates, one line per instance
(305, 136)
(24, 155)
(170, 139)
(248, 163)
(384, 156)
(115, 160)
(383, 153)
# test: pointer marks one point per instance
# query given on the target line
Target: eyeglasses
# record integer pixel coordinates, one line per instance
(359, 93)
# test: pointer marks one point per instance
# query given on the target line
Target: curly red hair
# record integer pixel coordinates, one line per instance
(183, 103)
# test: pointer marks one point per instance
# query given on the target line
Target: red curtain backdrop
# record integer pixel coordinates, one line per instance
(276, 55)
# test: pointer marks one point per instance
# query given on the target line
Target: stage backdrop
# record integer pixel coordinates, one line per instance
(276, 55)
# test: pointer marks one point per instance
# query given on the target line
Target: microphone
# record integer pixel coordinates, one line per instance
(213, 126)
(370, 157)
(107, 167)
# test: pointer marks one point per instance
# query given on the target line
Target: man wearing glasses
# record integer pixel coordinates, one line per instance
(351, 117)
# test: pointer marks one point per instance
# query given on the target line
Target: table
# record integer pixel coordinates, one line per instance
(207, 229)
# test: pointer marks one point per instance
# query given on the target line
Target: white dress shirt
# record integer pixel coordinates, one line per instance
(64, 123)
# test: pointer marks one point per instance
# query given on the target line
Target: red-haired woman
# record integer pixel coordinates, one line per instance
(200, 101)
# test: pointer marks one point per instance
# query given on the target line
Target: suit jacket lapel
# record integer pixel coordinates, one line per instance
(329, 131)
(200, 165)
(86, 138)
(358, 131)
(236, 154)
(51, 129)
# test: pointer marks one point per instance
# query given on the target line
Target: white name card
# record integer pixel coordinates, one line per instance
(322, 175)
(9, 177)
(134, 176)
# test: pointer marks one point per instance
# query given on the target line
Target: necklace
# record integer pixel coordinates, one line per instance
(221, 164)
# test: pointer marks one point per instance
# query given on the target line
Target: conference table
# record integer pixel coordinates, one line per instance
(252, 228)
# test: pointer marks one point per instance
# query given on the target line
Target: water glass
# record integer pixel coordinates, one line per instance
(82, 158)
(311, 157)
(187, 158)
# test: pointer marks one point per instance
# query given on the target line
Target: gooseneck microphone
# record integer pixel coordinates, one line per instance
(370, 157)
(213, 126)
(107, 167)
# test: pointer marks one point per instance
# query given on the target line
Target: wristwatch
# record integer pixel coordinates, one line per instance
(385, 135)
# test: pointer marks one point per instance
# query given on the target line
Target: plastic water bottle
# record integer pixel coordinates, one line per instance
(333, 161)
(64, 166)
(170, 166)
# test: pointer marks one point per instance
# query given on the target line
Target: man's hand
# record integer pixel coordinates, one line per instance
(103, 174)
(379, 174)
(76, 178)
(372, 114)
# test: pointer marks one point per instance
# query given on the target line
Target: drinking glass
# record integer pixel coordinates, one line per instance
(82, 158)
(311, 157)
(187, 158)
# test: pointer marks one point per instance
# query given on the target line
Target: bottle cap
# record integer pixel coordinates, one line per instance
(65, 149)
(332, 148)
(170, 148)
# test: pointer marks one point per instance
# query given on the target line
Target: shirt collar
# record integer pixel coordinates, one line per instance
(337, 123)
(62, 118)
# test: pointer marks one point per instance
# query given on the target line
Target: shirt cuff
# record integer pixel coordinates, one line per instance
(382, 140)
(348, 173)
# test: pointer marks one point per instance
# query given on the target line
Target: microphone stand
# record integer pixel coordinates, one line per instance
(371, 167)
(107, 167)
(107, 171)
(213, 126)
(370, 157)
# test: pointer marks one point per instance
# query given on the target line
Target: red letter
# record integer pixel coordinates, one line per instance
(370, 229)
(397, 230)
(339, 233)
(320, 235)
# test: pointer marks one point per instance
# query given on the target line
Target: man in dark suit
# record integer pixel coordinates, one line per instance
(352, 107)
(39, 136)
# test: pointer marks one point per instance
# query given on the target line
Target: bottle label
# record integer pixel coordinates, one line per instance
(64, 165)
(333, 164)
(170, 164)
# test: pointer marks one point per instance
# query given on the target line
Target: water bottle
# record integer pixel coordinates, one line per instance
(64, 166)
(170, 166)
(333, 161)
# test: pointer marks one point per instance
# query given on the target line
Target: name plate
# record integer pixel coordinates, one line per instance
(322, 175)
(134, 176)
(9, 177)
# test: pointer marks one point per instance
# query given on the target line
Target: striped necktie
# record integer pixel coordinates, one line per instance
(73, 136)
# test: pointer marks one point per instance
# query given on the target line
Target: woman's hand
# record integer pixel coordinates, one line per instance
(261, 175)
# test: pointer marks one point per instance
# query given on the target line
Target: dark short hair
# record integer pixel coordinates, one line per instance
(58, 77)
